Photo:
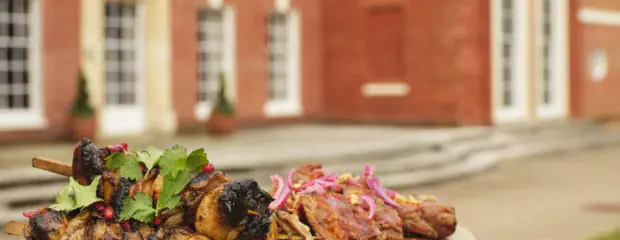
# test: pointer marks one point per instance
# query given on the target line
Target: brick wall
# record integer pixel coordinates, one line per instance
(251, 75)
(60, 64)
(445, 61)
(596, 98)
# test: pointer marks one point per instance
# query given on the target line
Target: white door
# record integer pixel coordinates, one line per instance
(124, 111)
(552, 77)
(509, 53)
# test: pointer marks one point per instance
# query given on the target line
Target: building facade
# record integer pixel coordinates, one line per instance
(152, 66)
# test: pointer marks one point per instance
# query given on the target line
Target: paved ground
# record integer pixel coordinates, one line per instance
(262, 146)
(538, 198)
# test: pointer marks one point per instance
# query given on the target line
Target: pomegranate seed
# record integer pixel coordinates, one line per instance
(209, 168)
(29, 214)
(124, 146)
(125, 225)
(108, 213)
(99, 206)
(157, 220)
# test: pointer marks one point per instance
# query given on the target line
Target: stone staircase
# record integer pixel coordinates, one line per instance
(398, 166)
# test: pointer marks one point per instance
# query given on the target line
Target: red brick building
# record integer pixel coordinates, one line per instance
(152, 65)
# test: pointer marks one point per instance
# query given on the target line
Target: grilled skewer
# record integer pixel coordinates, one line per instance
(241, 206)
(52, 165)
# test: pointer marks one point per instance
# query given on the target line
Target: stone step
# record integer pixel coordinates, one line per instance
(484, 160)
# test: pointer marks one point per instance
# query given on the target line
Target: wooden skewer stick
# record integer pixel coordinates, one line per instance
(51, 165)
(15, 228)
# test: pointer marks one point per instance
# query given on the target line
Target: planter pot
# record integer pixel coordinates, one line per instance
(221, 124)
(82, 127)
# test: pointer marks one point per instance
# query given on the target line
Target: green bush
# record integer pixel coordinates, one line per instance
(81, 105)
(612, 235)
(223, 105)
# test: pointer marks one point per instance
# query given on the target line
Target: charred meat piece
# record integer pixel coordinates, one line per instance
(307, 173)
(77, 226)
(292, 225)
(48, 225)
(386, 217)
(201, 184)
(121, 191)
(87, 161)
(429, 219)
(322, 218)
(100, 230)
(151, 185)
(332, 216)
(210, 221)
(177, 234)
(223, 212)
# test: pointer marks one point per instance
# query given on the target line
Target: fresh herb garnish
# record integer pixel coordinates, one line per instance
(177, 168)
(75, 196)
(169, 196)
(138, 208)
(128, 165)
(149, 157)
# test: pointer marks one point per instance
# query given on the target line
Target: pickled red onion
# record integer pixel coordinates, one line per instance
(353, 182)
(281, 194)
(373, 183)
(316, 188)
(289, 179)
(369, 170)
(371, 205)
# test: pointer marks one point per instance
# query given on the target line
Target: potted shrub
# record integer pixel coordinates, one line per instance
(222, 119)
(82, 119)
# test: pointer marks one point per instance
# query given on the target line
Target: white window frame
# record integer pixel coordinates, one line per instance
(291, 106)
(33, 117)
(202, 110)
(558, 107)
(518, 110)
(133, 116)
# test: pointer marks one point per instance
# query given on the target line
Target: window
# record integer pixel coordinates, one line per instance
(282, 64)
(15, 78)
(121, 53)
(277, 36)
(20, 80)
(547, 40)
(508, 54)
(210, 53)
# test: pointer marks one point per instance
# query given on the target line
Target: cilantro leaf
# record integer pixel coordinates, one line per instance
(75, 196)
(173, 160)
(138, 207)
(64, 201)
(131, 169)
(128, 165)
(197, 159)
(149, 157)
(115, 160)
(172, 186)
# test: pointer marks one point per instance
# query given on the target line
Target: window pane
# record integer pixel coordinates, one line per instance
(14, 77)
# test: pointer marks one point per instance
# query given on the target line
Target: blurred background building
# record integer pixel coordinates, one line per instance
(152, 65)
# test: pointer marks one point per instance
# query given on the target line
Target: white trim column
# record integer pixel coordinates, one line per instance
(599, 16)
(92, 40)
(160, 112)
